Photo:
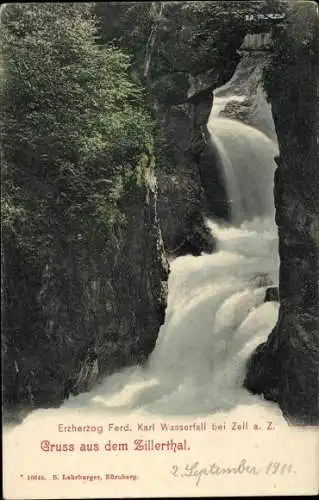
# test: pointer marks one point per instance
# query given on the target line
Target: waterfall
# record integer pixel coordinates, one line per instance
(243, 96)
(215, 318)
(216, 313)
(246, 156)
(256, 41)
(243, 145)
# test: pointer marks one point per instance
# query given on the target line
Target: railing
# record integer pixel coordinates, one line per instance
(265, 17)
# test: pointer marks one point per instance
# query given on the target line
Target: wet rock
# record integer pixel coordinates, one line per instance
(286, 366)
(272, 294)
(87, 317)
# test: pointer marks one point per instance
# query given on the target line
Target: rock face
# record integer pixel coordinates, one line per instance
(182, 91)
(181, 140)
(182, 53)
(272, 294)
(86, 319)
(285, 368)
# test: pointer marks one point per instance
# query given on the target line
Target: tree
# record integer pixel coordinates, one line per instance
(74, 128)
(74, 143)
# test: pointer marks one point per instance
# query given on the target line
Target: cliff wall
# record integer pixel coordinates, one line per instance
(285, 368)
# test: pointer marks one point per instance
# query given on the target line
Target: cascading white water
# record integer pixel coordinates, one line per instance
(247, 158)
(245, 91)
(215, 318)
(216, 313)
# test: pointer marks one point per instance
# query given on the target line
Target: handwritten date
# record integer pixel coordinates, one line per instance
(198, 472)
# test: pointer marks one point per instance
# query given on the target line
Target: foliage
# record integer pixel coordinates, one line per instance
(74, 127)
(191, 37)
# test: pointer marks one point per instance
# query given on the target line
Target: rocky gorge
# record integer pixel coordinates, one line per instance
(181, 52)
